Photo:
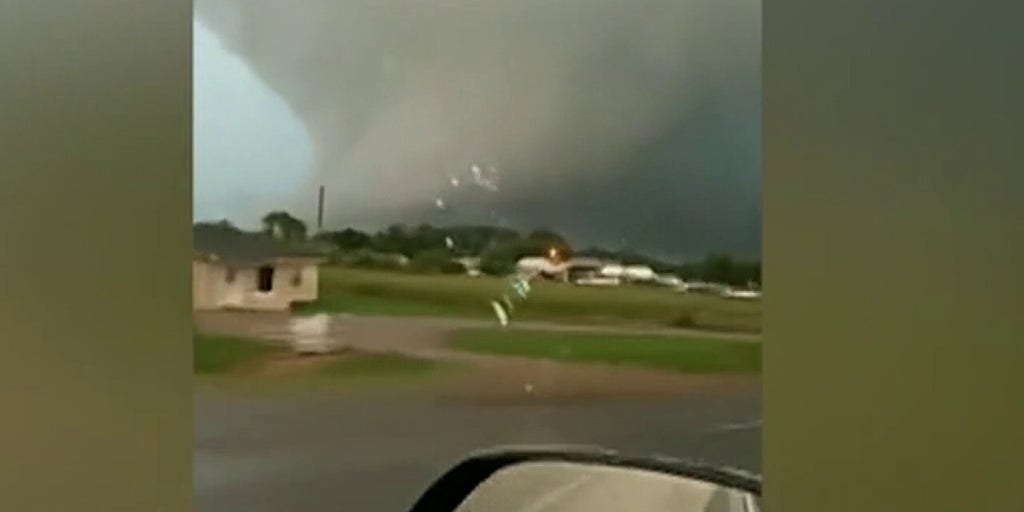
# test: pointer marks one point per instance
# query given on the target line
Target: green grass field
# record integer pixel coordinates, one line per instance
(215, 355)
(684, 355)
(234, 362)
(376, 292)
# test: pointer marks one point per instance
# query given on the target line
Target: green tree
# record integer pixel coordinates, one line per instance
(497, 264)
(223, 224)
(540, 241)
(282, 225)
(722, 268)
(426, 238)
(475, 240)
(347, 239)
(389, 240)
(500, 257)
(718, 268)
(688, 271)
(435, 260)
(747, 273)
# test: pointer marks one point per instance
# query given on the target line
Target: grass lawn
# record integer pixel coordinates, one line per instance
(215, 355)
(685, 355)
(249, 365)
(375, 292)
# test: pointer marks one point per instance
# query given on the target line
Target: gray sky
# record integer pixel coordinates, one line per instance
(618, 123)
(250, 151)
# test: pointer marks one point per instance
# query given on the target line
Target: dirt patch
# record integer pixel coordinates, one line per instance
(505, 380)
(263, 326)
(289, 365)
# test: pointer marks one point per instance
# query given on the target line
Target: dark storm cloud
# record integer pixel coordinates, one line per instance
(611, 121)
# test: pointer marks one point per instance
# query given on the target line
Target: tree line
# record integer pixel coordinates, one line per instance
(434, 248)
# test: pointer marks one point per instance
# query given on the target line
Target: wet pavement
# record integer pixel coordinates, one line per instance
(378, 451)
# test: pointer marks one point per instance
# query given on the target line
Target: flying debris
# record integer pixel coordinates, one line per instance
(504, 307)
(499, 311)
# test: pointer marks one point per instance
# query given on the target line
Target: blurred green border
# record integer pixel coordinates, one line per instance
(893, 252)
(95, 243)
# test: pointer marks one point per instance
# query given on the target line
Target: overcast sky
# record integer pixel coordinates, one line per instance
(250, 150)
(613, 122)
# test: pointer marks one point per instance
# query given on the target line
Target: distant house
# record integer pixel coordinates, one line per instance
(641, 273)
(247, 271)
(583, 263)
(539, 265)
(614, 270)
(580, 268)
(669, 280)
(577, 270)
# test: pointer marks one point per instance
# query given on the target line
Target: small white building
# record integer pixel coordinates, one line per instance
(614, 270)
(669, 280)
(588, 272)
(540, 265)
(248, 271)
(641, 273)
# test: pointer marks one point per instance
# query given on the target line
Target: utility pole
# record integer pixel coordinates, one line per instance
(320, 211)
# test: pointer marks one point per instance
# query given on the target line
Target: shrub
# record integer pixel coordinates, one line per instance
(685, 319)
(430, 261)
(452, 267)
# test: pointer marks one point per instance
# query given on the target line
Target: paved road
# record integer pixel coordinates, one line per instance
(376, 452)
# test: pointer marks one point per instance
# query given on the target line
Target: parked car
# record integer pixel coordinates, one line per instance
(598, 281)
(669, 280)
(742, 294)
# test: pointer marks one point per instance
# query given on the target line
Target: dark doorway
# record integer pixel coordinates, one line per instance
(265, 279)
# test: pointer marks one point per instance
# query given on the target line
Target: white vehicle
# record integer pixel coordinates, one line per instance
(612, 270)
(695, 287)
(538, 265)
(669, 280)
(639, 273)
(598, 281)
(742, 294)
(576, 478)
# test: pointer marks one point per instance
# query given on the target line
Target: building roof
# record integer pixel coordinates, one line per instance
(640, 268)
(534, 260)
(242, 249)
(586, 262)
